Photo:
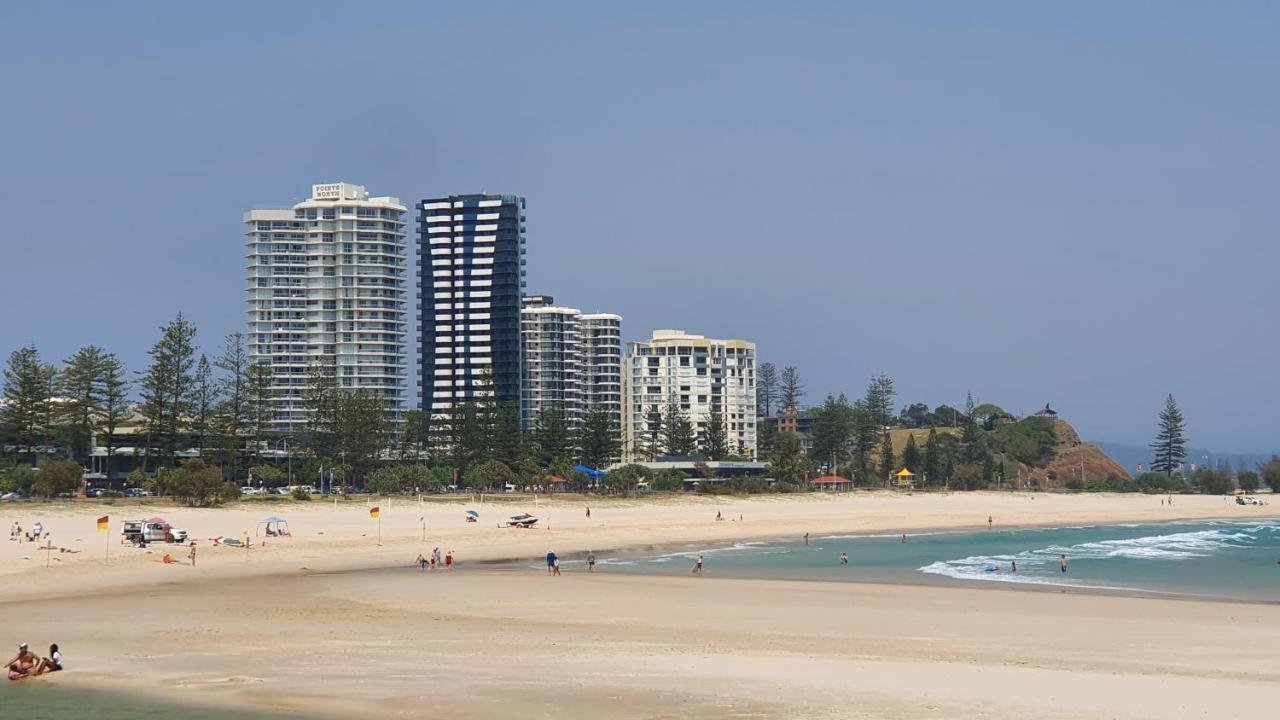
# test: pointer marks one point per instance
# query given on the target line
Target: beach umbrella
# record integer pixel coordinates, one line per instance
(473, 513)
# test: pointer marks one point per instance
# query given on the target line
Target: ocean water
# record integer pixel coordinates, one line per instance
(38, 699)
(1225, 559)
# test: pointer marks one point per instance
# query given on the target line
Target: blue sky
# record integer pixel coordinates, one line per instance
(1063, 204)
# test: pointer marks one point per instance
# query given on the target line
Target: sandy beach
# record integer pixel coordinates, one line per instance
(328, 623)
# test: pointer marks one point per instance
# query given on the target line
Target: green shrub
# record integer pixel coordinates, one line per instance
(58, 477)
(383, 481)
(18, 479)
(301, 493)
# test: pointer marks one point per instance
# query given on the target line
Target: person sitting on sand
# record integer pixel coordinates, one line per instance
(53, 663)
(23, 664)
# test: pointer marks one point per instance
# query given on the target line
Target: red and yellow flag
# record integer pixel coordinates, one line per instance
(375, 511)
(102, 522)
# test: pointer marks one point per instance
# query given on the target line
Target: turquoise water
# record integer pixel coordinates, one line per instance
(1228, 559)
(38, 699)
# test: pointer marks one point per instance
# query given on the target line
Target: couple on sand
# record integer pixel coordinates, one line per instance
(26, 664)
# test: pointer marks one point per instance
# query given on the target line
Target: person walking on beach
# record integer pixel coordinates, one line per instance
(448, 560)
(1013, 566)
(556, 567)
(844, 558)
(588, 512)
(435, 558)
(988, 522)
(591, 561)
(552, 562)
(904, 538)
(697, 566)
(806, 538)
(719, 516)
(191, 554)
(421, 562)
(1062, 562)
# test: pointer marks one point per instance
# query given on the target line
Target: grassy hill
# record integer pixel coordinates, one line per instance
(1047, 453)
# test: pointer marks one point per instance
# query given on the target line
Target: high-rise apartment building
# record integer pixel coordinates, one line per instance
(553, 377)
(572, 361)
(326, 287)
(471, 270)
(701, 376)
(602, 362)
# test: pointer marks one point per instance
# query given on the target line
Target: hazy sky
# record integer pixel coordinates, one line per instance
(1073, 205)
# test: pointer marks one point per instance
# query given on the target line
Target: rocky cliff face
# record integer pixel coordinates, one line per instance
(1070, 455)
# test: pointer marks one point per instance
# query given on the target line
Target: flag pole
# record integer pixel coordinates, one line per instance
(379, 528)
(107, 555)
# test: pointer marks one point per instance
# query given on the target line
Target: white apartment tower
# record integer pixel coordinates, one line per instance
(701, 376)
(602, 362)
(571, 361)
(327, 286)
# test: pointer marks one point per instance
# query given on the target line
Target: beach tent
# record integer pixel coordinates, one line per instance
(473, 513)
(274, 525)
(904, 478)
(156, 521)
(590, 472)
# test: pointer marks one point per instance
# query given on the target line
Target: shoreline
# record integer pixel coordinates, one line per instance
(276, 628)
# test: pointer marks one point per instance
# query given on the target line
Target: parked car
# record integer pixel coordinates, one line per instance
(152, 531)
(251, 490)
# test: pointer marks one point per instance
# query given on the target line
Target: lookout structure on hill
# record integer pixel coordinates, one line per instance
(1046, 412)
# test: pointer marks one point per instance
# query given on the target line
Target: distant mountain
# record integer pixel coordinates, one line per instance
(1130, 456)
